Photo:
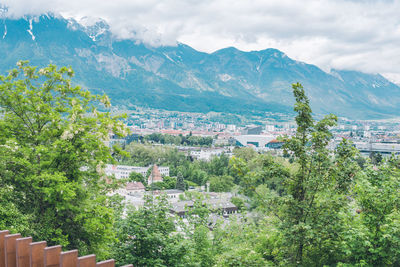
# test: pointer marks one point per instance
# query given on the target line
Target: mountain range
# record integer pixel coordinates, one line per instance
(184, 79)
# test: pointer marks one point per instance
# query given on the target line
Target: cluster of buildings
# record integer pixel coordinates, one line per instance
(123, 171)
(134, 192)
(133, 188)
(216, 205)
(146, 121)
(151, 119)
(367, 136)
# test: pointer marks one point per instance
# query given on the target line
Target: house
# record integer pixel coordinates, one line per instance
(134, 187)
(225, 207)
(275, 144)
(172, 194)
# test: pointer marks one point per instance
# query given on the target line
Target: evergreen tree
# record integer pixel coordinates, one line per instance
(180, 183)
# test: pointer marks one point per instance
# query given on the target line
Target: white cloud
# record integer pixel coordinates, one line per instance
(344, 34)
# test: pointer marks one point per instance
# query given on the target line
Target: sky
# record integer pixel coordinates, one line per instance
(359, 35)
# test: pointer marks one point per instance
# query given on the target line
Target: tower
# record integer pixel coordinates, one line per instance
(155, 175)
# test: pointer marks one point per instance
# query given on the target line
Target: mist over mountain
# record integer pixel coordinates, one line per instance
(184, 79)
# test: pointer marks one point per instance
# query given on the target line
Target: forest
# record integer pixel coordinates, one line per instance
(311, 207)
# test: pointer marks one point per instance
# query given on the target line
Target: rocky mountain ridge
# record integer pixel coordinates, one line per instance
(182, 78)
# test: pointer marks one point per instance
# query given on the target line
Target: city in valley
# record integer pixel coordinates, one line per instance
(222, 134)
(214, 133)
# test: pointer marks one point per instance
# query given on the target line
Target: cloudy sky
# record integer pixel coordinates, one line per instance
(345, 34)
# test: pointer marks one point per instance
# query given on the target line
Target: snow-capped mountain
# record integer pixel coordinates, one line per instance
(182, 78)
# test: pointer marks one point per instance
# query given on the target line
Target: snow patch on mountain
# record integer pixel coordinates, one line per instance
(166, 55)
(90, 21)
(5, 31)
(94, 27)
(225, 77)
(259, 63)
(30, 30)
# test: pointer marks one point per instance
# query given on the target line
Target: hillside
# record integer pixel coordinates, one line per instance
(182, 78)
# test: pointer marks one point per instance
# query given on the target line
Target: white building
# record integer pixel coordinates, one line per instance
(206, 154)
(231, 127)
(387, 148)
(123, 171)
(172, 194)
(269, 128)
(254, 140)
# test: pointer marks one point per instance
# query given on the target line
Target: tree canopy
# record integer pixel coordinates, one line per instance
(52, 155)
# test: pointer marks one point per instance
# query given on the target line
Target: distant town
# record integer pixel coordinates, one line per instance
(371, 138)
(262, 134)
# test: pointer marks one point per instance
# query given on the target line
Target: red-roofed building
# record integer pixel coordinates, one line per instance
(155, 175)
(275, 144)
(174, 132)
(134, 187)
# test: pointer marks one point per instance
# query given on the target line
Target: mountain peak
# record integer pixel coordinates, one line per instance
(270, 51)
(94, 27)
(228, 50)
(182, 78)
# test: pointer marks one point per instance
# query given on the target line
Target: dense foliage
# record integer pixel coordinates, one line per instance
(146, 236)
(313, 207)
(52, 153)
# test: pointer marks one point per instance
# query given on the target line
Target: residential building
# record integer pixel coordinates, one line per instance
(215, 206)
(123, 171)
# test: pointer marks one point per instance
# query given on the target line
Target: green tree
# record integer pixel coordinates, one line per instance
(52, 156)
(169, 182)
(137, 177)
(141, 155)
(310, 212)
(239, 203)
(373, 233)
(265, 170)
(241, 256)
(376, 157)
(218, 165)
(246, 153)
(147, 236)
(221, 183)
(202, 243)
(11, 217)
(180, 183)
(243, 244)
